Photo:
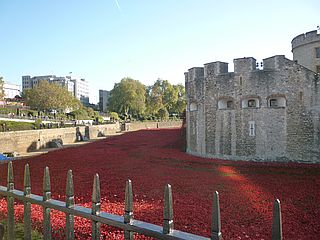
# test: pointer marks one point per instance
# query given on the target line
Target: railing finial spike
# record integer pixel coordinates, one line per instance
(46, 185)
(96, 207)
(10, 203)
(69, 190)
(168, 210)
(276, 221)
(128, 209)
(128, 196)
(10, 181)
(96, 197)
(69, 203)
(216, 221)
(26, 180)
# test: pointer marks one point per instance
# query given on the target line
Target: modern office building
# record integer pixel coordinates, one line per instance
(77, 86)
(103, 100)
(31, 82)
(64, 82)
(11, 90)
(81, 89)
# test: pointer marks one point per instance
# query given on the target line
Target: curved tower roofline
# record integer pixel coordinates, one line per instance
(305, 38)
(306, 50)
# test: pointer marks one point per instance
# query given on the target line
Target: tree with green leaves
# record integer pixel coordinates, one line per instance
(164, 95)
(127, 97)
(181, 103)
(1, 89)
(47, 96)
(163, 114)
(84, 113)
(159, 96)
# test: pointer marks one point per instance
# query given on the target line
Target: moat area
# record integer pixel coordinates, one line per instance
(152, 158)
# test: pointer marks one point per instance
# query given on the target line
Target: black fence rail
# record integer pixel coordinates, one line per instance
(98, 217)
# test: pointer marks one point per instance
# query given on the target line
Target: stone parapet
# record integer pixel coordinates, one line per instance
(246, 64)
(305, 38)
(215, 68)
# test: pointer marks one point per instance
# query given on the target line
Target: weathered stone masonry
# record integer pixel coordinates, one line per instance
(252, 114)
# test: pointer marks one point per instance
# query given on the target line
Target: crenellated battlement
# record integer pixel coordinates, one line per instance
(274, 62)
(241, 65)
(245, 64)
(215, 68)
(193, 73)
(305, 38)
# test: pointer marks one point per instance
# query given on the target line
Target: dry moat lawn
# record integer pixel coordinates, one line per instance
(151, 159)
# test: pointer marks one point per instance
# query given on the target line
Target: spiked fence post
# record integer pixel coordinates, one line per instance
(276, 221)
(10, 202)
(96, 207)
(128, 209)
(46, 210)
(27, 205)
(2, 230)
(216, 222)
(168, 210)
(69, 203)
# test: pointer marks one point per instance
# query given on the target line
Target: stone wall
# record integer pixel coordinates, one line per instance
(31, 140)
(26, 141)
(133, 126)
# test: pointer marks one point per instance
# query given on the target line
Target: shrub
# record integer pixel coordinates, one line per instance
(5, 110)
(37, 123)
(114, 116)
(16, 126)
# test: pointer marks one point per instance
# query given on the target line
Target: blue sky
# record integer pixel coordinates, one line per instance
(106, 40)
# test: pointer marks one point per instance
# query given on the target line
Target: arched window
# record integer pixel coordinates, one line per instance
(225, 104)
(193, 106)
(277, 101)
(230, 104)
(250, 102)
(273, 102)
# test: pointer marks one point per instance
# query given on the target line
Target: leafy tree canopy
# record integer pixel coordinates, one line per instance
(84, 113)
(48, 96)
(127, 97)
(180, 105)
(164, 95)
(130, 97)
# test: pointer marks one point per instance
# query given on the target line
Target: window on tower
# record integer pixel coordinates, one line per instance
(318, 52)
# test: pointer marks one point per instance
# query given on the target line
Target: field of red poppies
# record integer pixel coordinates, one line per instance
(153, 158)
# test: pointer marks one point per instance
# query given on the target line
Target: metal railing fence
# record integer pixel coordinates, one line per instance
(98, 217)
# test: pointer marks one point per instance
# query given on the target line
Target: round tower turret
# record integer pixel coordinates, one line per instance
(306, 50)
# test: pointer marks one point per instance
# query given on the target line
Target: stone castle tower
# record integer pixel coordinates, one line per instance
(257, 114)
(306, 50)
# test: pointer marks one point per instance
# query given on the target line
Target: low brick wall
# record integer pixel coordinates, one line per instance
(103, 130)
(133, 126)
(31, 140)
